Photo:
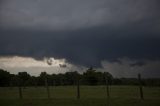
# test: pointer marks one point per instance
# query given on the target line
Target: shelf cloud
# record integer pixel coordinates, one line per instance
(83, 32)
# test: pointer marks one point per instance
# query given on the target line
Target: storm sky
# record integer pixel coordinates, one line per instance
(118, 36)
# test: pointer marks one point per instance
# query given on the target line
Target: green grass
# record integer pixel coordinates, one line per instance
(90, 96)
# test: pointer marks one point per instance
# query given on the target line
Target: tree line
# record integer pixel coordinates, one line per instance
(90, 77)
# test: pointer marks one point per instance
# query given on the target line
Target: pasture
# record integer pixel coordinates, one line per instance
(89, 96)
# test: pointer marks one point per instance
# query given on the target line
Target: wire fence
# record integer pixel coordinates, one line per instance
(77, 90)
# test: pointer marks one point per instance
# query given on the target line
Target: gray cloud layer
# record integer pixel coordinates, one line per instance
(73, 14)
(83, 32)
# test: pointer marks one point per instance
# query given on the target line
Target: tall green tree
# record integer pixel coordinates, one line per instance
(4, 78)
(90, 77)
(23, 78)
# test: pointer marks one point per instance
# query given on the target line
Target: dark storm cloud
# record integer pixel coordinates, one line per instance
(85, 47)
(84, 33)
(75, 14)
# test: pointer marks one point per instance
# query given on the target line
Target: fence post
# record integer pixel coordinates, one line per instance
(20, 92)
(140, 86)
(107, 86)
(78, 89)
(20, 89)
(47, 87)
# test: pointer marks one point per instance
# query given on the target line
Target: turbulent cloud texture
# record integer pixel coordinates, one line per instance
(17, 64)
(125, 68)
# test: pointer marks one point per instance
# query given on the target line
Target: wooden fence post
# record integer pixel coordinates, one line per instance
(20, 92)
(140, 86)
(107, 86)
(47, 88)
(20, 89)
(78, 89)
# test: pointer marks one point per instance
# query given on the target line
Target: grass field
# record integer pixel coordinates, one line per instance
(89, 96)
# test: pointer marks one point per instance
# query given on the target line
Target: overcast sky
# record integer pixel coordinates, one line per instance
(118, 36)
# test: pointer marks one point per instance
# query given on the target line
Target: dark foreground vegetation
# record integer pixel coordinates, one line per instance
(90, 77)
